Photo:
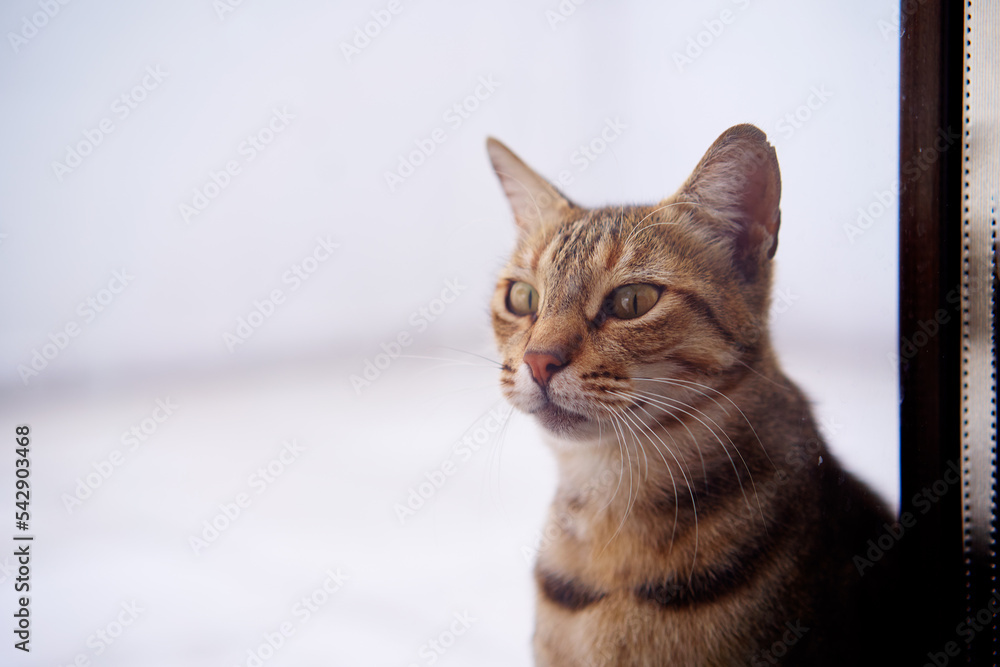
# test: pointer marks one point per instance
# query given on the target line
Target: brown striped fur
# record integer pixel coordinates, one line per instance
(699, 518)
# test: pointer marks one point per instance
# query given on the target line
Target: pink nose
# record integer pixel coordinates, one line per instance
(543, 365)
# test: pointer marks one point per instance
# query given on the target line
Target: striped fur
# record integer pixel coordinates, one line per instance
(699, 516)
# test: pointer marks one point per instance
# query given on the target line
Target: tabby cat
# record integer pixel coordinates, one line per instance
(699, 518)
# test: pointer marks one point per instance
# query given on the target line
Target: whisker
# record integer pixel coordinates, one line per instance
(621, 472)
(688, 482)
(682, 383)
(451, 361)
(757, 373)
(694, 440)
(654, 211)
(492, 362)
(659, 401)
(623, 447)
(495, 461)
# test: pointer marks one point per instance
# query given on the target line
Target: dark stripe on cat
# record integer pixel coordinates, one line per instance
(567, 593)
(700, 306)
(737, 569)
(603, 374)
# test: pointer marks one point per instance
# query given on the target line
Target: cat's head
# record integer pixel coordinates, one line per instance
(619, 310)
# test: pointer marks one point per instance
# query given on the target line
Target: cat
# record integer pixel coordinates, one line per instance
(699, 518)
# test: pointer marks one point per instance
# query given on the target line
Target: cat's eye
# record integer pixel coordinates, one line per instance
(522, 299)
(631, 301)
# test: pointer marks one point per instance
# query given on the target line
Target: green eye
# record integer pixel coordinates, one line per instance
(522, 299)
(631, 301)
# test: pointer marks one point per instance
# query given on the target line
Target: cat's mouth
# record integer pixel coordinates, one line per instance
(557, 419)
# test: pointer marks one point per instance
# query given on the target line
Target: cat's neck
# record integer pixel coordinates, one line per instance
(709, 440)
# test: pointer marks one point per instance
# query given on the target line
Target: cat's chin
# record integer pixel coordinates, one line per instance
(562, 422)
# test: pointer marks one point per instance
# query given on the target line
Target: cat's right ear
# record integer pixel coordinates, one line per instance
(535, 201)
(738, 179)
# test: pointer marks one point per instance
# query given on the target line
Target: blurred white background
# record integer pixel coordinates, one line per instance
(129, 255)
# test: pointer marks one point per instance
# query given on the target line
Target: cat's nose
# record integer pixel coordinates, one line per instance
(544, 365)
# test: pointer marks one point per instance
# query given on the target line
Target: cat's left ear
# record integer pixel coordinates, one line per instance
(535, 201)
(738, 180)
